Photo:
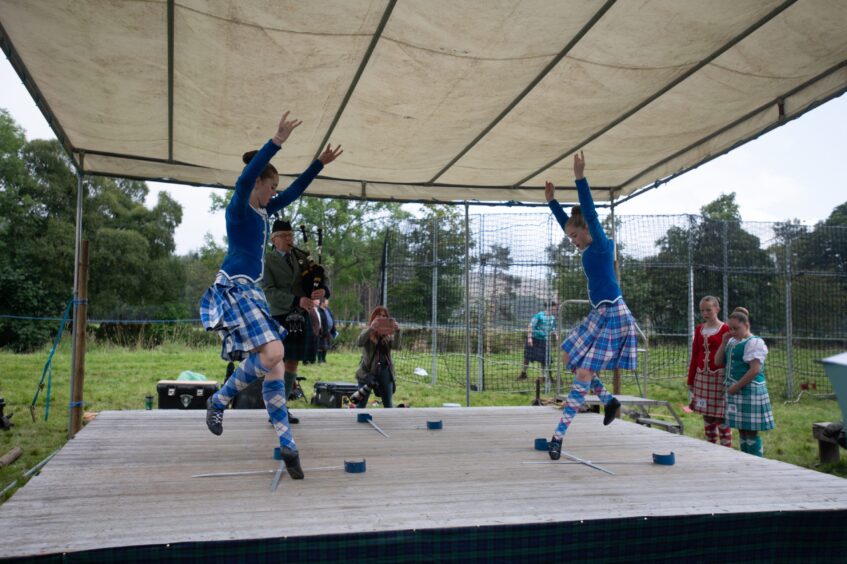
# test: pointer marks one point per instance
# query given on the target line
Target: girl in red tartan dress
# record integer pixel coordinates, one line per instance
(705, 378)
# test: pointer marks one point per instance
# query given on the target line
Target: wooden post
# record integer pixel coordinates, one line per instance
(11, 456)
(80, 323)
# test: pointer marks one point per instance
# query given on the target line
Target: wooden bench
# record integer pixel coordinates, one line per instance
(827, 446)
(640, 414)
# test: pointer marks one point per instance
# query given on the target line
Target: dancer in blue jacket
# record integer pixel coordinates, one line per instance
(235, 305)
(606, 339)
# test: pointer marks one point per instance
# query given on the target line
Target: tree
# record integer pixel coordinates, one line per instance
(353, 233)
(411, 265)
(132, 268)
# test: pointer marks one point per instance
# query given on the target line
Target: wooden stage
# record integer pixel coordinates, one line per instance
(126, 480)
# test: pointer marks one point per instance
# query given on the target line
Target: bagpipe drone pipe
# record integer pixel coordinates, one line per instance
(312, 273)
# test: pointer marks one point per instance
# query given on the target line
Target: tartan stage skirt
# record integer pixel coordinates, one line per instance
(606, 339)
(238, 311)
(708, 394)
(537, 352)
(750, 409)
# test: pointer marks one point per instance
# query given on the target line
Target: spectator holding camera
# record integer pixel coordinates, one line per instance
(376, 369)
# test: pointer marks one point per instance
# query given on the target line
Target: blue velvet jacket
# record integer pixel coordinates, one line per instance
(246, 226)
(598, 260)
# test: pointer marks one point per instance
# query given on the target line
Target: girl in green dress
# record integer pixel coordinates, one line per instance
(748, 405)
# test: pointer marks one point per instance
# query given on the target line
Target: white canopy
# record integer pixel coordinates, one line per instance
(433, 100)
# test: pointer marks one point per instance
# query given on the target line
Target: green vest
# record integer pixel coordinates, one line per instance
(736, 367)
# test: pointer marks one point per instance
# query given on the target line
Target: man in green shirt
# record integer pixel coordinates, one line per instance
(541, 327)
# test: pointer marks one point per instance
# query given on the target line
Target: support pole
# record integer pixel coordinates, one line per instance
(789, 331)
(480, 326)
(77, 248)
(385, 271)
(725, 241)
(434, 367)
(80, 323)
(467, 306)
(616, 378)
(690, 281)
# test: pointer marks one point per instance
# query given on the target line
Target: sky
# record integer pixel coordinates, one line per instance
(793, 172)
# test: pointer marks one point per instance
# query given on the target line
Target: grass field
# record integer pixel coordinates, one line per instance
(120, 378)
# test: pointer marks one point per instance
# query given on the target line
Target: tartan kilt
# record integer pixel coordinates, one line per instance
(537, 352)
(238, 312)
(749, 409)
(606, 339)
(302, 347)
(709, 393)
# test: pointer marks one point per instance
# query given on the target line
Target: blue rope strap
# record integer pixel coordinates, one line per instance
(48, 367)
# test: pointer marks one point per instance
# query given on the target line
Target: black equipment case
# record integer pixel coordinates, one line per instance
(329, 394)
(184, 394)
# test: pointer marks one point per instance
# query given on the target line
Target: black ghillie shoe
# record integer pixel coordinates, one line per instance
(293, 420)
(610, 411)
(214, 417)
(292, 463)
(554, 448)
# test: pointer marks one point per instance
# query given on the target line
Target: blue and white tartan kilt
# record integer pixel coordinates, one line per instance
(606, 339)
(238, 311)
(749, 409)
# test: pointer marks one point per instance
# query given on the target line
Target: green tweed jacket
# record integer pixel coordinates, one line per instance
(281, 283)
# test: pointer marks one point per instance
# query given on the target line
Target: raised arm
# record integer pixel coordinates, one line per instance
(558, 212)
(296, 188)
(586, 201)
(247, 180)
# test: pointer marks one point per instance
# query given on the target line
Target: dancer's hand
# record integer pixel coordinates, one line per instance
(549, 191)
(318, 294)
(579, 165)
(285, 127)
(305, 303)
(330, 154)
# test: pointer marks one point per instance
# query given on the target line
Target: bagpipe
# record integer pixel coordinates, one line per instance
(312, 273)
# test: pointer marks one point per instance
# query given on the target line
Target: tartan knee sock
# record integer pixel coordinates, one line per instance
(711, 431)
(575, 399)
(725, 432)
(602, 393)
(273, 392)
(243, 376)
(756, 447)
(749, 445)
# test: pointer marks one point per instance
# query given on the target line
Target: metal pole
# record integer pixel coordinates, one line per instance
(467, 307)
(77, 248)
(480, 324)
(434, 300)
(789, 333)
(385, 271)
(80, 322)
(616, 373)
(690, 281)
(725, 271)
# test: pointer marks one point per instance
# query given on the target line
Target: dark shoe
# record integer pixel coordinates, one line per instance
(610, 411)
(214, 417)
(522, 376)
(293, 420)
(554, 448)
(292, 463)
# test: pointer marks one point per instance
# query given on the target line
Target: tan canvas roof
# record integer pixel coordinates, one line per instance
(433, 100)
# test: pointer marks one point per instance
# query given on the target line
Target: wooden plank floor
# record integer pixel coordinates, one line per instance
(126, 479)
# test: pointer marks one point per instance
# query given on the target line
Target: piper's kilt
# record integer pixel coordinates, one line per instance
(708, 394)
(606, 339)
(302, 346)
(537, 352)
(750, 408)
(238, 310)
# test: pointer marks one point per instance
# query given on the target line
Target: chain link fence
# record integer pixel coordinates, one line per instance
(465, 287)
